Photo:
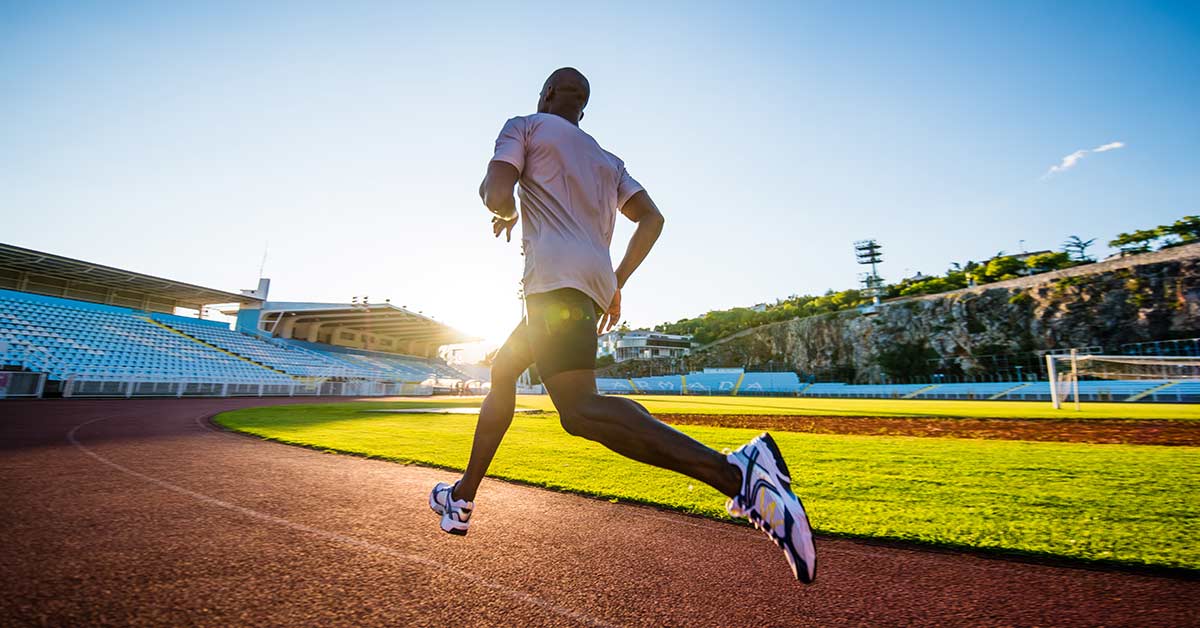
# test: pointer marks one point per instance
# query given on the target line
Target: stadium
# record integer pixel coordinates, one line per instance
(110, 332)
(825, 315)
(78, 333)
(73, 328)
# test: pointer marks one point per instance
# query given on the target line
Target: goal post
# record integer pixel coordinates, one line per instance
(1065, 371)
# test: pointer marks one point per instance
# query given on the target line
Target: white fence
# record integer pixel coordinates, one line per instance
(124, 386)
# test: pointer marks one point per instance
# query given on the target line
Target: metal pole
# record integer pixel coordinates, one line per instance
(1052, 373)
(1075, 376)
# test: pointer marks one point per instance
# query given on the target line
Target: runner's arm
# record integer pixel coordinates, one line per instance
(640, 208)
(496, 190)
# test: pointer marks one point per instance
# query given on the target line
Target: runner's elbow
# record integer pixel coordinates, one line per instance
(654, 220)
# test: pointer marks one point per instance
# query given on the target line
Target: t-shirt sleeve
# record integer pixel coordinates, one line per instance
(627, 186)
(510, 145)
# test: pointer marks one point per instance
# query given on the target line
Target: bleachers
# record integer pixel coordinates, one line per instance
(711, 383)
(769, 383)
(1104, 390)
(867, 391)
(386, 365)
(65, 338)
(659, 384)
(1180, 392)
(291, 360)
(969, 390)
(613, 385)
(789, 384)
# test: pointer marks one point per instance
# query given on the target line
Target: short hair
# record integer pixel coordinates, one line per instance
(571, 84)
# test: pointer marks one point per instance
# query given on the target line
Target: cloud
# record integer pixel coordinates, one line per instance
(1071, 160)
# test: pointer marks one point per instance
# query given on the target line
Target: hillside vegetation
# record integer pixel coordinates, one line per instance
(718, 324)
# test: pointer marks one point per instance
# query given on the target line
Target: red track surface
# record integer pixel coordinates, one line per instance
(141, 513)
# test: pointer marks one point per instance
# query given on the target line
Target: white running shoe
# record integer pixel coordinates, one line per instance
(456, 513)
(767, 500)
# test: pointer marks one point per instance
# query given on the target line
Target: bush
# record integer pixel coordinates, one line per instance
(1045, 262)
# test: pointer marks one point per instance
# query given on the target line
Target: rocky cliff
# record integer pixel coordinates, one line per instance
(990, 329)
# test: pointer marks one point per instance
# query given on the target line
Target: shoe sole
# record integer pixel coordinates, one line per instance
(455, 531)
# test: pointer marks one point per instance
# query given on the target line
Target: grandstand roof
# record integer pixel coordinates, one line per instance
(38, 272)
(378, 319)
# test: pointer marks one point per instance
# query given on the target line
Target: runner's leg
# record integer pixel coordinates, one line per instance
(625, 427)
(496, 414)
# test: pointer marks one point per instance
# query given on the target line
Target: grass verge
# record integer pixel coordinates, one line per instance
(1126, 504)
(899, 407)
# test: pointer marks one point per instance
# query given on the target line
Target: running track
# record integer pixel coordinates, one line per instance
(142, 513)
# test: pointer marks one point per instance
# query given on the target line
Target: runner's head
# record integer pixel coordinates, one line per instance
(565, 94)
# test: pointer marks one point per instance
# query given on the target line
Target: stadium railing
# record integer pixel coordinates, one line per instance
(16, 384)
(151, 386)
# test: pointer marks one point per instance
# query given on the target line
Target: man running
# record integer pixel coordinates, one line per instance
(571, 190)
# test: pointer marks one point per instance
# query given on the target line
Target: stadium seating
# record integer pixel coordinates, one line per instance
(1180, 392)
(67, 338)
(1105, 390)
(969, 390)
(291, 360)
(307, 359)
(711, 383)
(659, 384)
(88, 341)
(875, 391)
(385, 365)
(613, 385)
(769, 383)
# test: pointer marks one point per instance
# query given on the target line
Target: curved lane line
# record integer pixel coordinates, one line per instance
(337, 537)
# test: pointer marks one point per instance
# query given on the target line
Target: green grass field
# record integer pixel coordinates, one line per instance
(1113, 503)
(899, 407)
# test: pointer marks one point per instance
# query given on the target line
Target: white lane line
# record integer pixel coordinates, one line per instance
(344, 539)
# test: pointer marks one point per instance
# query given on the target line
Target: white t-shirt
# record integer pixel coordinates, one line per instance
(570, 192)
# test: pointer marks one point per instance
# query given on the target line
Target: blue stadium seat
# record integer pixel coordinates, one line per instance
(66, 338)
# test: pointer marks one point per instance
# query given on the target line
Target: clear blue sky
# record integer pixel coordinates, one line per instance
(176, 139)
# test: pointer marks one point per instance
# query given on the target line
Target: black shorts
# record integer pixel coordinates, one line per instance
(559, 332)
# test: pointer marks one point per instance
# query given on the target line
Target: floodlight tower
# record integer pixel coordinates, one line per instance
(870, 252)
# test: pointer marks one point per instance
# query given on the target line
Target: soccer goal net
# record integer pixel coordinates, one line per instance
(1127, 376)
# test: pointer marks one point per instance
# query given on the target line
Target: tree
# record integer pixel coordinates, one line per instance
(998, 268)
(1136, 242)
(1187, 229)
(1077, 248)
(1045, 262)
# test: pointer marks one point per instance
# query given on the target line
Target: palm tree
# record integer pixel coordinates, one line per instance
(1077, 248)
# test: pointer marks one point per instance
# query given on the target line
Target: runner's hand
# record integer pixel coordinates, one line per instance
(499, 224)
(612, 315)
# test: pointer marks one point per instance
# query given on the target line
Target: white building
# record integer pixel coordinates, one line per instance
(643, 344)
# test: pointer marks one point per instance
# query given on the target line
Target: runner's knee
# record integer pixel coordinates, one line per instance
(574, 423)
(578, 417)
(505, 372)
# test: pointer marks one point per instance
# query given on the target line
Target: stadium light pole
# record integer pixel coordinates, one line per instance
(870, 252)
